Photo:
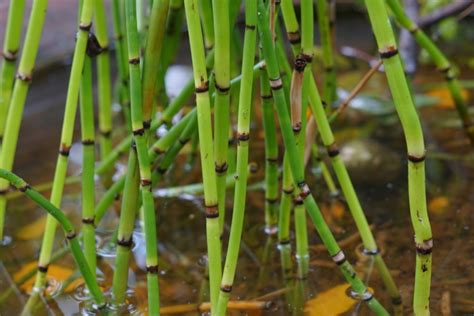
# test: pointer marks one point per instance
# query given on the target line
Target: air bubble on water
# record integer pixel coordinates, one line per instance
(202, 261)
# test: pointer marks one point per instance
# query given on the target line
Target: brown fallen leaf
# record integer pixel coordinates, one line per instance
(33, 230)
(438, 205)
(444, 97)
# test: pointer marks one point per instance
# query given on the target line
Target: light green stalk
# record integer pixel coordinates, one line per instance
(207, 153)
(11, 44)
(69, 231)
(18, 98)
(140, 138)
(88, 161)
(205, 10)
(297, 170)
(243, 136)
(416, 151)
(441, 62)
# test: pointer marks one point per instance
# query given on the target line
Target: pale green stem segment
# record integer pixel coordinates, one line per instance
(11, 46)
(68, 228)
(66, 136)
(297, 170)
(18, 97)
(88, 162)
(441, 62)
(140, 138)
(416, 151)
(243, 136)
(206, 144)
(222, 100)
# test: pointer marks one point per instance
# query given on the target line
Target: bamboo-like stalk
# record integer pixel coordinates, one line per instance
(441, 62)
(140, 138)
(66, 136)
(243, 136)
(329, 80)
(222, 26)
(103, 81)
(88, 162)
(128, 214)
(11, 45)
(206, 145)
(416, 151)
(297, 171)
(151, 62)
(205, 10)
(18, 98)
(68, 228)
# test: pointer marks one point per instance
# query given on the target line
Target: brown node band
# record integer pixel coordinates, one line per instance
(226, 288)
(307, 58)
(85, 27)
(4, 191)
(298, 200)
(223, 90)
(221, 168)
(388, 52)
(284, 242)
(43, 269)
(64, 150)
(106, 133)
(161, 170)
(242, 137)
(125, 243)
(339, 258)
(294, 37)
(297, 128)
(332, 150)
(444, 69)
(416, 159)
(266, 97)
(272, 160)
(276, 83)
(183, 141)
(304, 192)
(139, 132)
(300, 64)
(118, 37)
(9, 55)
(250, 27)
(397, 300)
(158, 150)
(24, 187)
(152, 269)
(414, 29)
(288, 191)
(253, 167)
(204, 87)
(271, 200)
(146, 124)
(212, 211)
(71, 235)
(88, 220)
(328, 69)
(23, 77)
(134, 61)
(93, 46)
(450, 76)
(425, 248)
(145, 182)
(370, 252)
(88, 142)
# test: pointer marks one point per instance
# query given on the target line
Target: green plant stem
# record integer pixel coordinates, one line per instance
(88, 161)
(18, 98)
(441, 62)
(243, 136)
(416, 151)
(68, 228)
(297, 170)
(11, 45)
(206, 144)
(66, 136)
(205, 10)
(140, 138)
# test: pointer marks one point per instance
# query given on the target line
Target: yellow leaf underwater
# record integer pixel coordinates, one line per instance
(444, 97)
(438, 205)
(32, 231)
(330, 302)
(56, 272)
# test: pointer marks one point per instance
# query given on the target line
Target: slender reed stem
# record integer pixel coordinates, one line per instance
(207, 153)
(243, 136)
(416, 151)
(18, 98)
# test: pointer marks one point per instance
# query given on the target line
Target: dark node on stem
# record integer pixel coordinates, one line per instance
(304, 190)
(294, 37)
(243, 137)
(106, 134)
(23, 77)
(71, 235)
(125, 243)
(416, 159)
(306, 57)
(449, 76)
(4, 191)
(183, 141)
(118, 37)
(221, 168)
(64, 150)
(88, 220)
(43, 269)
(276, 83)
(339, 258)
(232, 141)
(87, 142)
(388, 52)
(152, 269)
(24, 187)
(288, 191)
(424, 248)
(145, 182)
(444, 70)
(250, 27)
(85, 27)
(298, 201)
(161, 170)
(9, 55)
(414, 29)
(324, 103)
(204, 87)
(271, 200)
(272, 160)
(328, 69)
(253, 167)
(222, 90)
(297, 127)
(93, 47)
(212, 211)
(226, 288)
(139, 132)
(134, 61)
(266, 97)
(284, 242)
(370, 252)
(146, 124)
(158, 150)
(332, 150)
(397, 300)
